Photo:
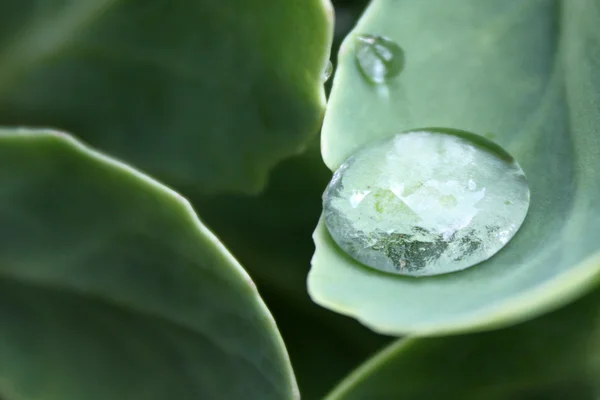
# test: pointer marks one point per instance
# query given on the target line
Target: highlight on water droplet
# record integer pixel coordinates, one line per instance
(426, 202)
(327, 71)
(378, 57)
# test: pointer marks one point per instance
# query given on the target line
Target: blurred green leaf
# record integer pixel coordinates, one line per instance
(111, 288)
(554, 357)
(195, 92)
(484, 66)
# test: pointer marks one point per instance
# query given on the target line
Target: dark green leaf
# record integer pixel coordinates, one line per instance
(195, 92)
(555, 357)
(111, 288)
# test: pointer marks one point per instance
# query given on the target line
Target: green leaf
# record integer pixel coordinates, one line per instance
(483, 66)
(554, 357)
(191, 91)
(111, 288)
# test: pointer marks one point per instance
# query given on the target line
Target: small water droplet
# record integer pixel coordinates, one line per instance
(378, 57)
(327, 71)
(426, 202)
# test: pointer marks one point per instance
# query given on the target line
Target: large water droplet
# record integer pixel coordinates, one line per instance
(378, 57)
(426, 202)
(327, 71)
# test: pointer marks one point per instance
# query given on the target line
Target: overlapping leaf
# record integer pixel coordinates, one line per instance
(554, 357)
(194, 92)
(111, 288)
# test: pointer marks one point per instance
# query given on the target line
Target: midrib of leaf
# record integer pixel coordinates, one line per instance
(42, 38)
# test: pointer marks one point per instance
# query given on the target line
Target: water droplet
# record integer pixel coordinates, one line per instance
(426, 202)
(327, 71)
(378, 57)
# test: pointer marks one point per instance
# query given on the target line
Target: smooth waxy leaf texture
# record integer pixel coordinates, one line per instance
(111, 288)
(191, 91)
(554, 357)
(506, 70)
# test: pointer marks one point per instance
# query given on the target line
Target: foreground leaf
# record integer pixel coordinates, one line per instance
(554, 357)
(487, 66)
(191, 91)
(111, 288)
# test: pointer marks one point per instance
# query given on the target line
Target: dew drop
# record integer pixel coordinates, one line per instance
(378, 57)
(426, 202)
(327, 71)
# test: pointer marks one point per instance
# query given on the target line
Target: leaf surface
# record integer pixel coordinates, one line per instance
(111, 288)
(193, 92)
(502, 69)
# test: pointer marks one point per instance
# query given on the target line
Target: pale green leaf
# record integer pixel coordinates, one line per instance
(523, 72)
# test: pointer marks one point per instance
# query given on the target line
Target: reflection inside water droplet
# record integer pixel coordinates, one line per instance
(426, 202)
(378, 57)
(327, 71)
